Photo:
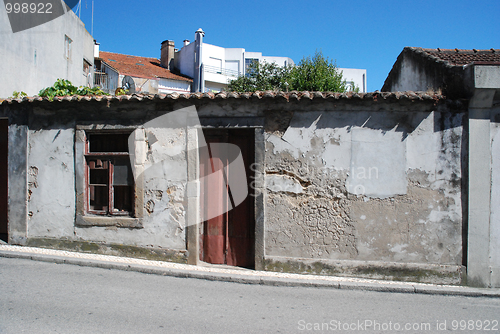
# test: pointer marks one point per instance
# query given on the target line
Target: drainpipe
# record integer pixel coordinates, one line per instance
(198, 81)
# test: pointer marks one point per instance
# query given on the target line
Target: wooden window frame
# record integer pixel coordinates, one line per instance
(110, 158)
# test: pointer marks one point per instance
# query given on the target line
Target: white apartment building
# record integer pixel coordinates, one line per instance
(213, 67)
(355, 78)
(216, 67)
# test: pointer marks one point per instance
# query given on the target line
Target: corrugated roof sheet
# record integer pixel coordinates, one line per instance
(285, 96)
(141, 67)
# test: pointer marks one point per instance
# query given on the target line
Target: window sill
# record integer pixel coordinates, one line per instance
(122, 222)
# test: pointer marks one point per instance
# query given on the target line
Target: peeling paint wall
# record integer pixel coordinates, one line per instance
(163, 189)
(371, 186)
(53, 171)
(340, 180)
(51, 183)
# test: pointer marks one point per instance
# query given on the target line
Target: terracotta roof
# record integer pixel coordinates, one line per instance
(141, 67)
(456, 57)
(290, 96)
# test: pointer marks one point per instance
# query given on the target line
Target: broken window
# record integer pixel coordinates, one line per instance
(110, 182)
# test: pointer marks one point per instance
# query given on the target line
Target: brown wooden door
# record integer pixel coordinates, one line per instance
(4, 135)
(228, 238)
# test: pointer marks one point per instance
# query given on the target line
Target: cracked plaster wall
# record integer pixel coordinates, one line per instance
(51, 190)
(164, 211)
(51, 183)
(374, 186)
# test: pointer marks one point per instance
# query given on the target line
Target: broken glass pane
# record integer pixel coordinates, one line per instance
(122, 173)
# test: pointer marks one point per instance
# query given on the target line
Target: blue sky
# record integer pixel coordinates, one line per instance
(356, 34)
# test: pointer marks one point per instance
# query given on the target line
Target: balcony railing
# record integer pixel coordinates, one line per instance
(218, 70)
(101, 79)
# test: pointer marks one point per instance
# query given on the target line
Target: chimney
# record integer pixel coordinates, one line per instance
(96, 49)
(199, 79)
(186, 42)
(167, 54)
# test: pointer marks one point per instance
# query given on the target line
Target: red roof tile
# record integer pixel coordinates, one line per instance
(141, 67)
(456, 57)
(283, 96)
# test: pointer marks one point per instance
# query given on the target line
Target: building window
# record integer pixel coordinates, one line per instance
(248, 62)
(86, 68)
(109, 178)
(214, 65)
(67, 47)
(232, 68)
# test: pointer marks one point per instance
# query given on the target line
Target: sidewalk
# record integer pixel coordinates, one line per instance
(236, 275)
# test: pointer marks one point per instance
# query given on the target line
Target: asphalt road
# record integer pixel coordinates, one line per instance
(39, 297)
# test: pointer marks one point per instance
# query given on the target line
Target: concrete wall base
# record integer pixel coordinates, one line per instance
(406, 272)
(110, 249)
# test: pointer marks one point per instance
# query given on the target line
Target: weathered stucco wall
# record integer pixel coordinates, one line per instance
(415, 71)
(163, 189)
(494, 247)
(51, 183)
(35, 58)
(365, 185)
(350, 181)
(53, 170)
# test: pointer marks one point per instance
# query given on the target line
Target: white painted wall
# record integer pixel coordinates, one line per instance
(356, 76)
(235, 56)
(280, 61)
(173, 86)
(184, 60)
(34, 59)
(214, 62)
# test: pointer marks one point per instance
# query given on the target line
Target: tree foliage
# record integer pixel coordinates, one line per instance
(261, 76)
(315, 73)
(64, 87)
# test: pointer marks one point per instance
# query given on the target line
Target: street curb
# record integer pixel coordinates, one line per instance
(304, 280)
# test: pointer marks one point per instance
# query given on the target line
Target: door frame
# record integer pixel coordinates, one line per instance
(194, 196)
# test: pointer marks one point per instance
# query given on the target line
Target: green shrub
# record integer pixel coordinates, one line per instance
(64, 87)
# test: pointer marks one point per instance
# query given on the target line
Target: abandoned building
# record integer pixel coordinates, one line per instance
(394, 185)
(353, 184)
